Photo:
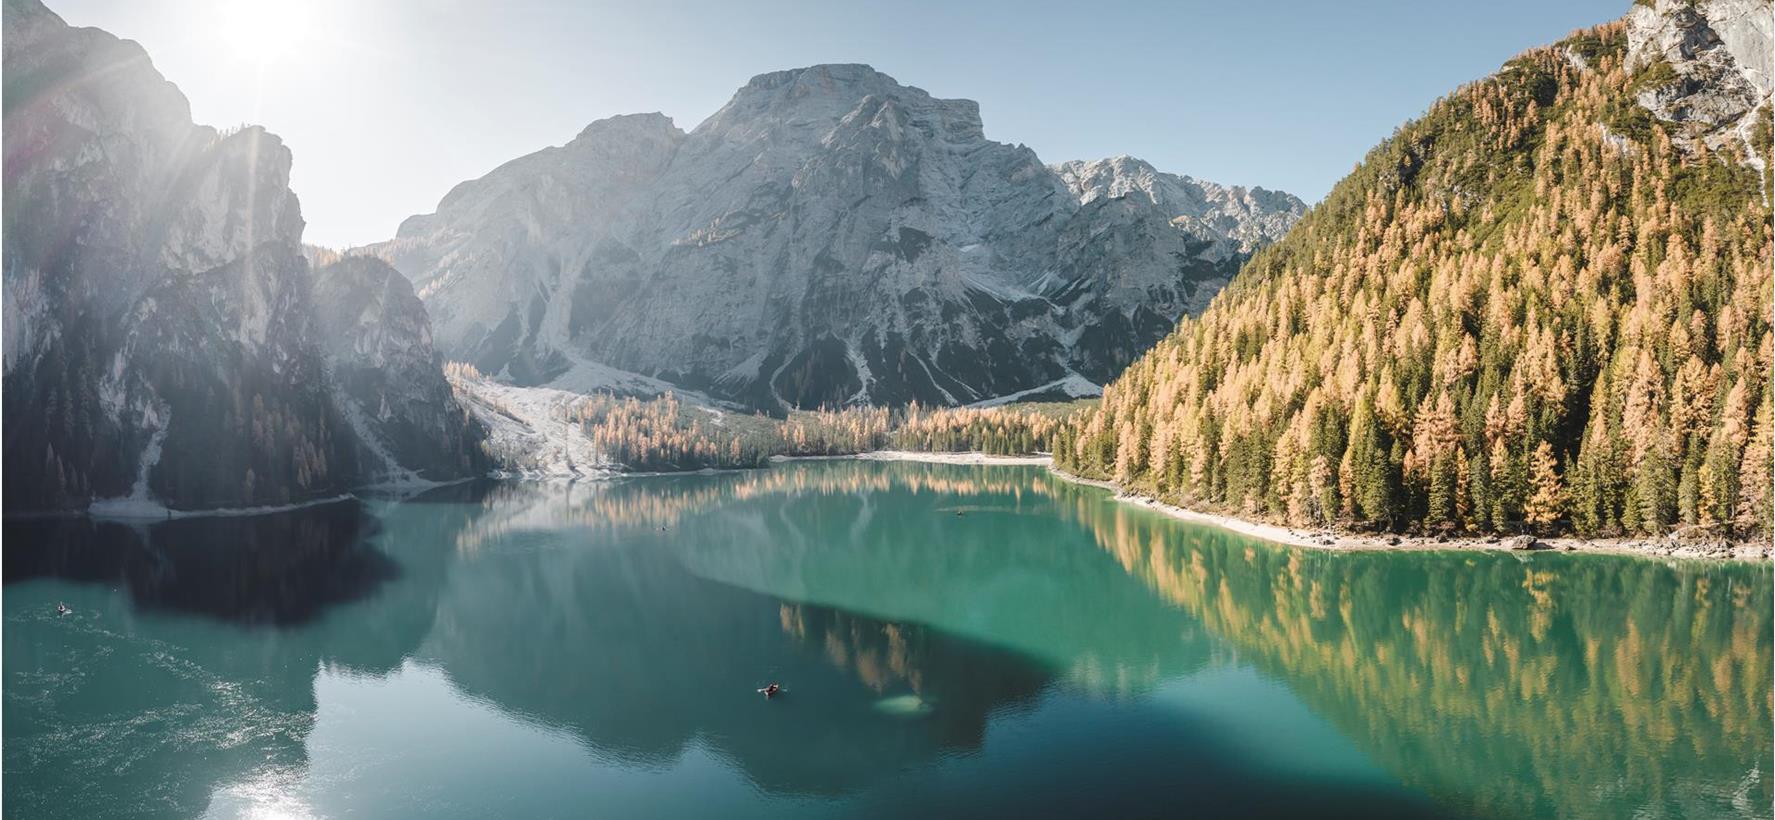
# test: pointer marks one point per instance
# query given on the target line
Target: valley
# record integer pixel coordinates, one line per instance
(825, 456)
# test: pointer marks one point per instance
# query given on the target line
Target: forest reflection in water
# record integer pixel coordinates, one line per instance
(1504, 684)
(910, 608)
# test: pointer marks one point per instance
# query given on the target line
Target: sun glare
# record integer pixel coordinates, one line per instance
(264, 30)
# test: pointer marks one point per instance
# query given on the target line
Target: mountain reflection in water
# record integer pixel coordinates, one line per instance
(281, 568)
(1028, 656)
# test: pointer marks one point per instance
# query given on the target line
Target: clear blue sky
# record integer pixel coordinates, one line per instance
(388, 103)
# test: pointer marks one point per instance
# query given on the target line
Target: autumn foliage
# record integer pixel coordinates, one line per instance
(1531, 309)
(666, 434)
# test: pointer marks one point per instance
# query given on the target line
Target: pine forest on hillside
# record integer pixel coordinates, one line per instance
(1530, 310)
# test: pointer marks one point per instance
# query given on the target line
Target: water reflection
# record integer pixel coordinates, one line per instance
(903, 631)
(276, 569)
(129, 706)
(638, 617)
(1503, 686)
(578, 640)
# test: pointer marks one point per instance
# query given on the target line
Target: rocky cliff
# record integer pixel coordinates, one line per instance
(388, 380)
(159, 331)
(829, 236)
(1709, 69)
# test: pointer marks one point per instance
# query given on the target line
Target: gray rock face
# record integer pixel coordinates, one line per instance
(1229, 221)
(388, 380)
(1720, 53)
(159, 338)
(829, 236)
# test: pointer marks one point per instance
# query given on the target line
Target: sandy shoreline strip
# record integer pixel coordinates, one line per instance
(927, 458)
(1331, 540)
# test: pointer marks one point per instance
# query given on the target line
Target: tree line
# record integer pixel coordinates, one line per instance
(664, 433)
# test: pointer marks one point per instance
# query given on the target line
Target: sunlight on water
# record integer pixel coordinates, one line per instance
(908, 706)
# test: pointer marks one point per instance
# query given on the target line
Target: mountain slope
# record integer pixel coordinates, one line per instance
(1543, 305)
(160, 346)
(829, 236)
(388, 379)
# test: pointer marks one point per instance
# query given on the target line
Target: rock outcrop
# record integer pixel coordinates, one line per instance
(388, 380)
(1720, 76)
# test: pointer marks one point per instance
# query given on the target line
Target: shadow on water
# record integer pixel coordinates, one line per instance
(276, 569)
(129, 706)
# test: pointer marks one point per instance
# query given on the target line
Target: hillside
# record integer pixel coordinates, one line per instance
(1544, 306)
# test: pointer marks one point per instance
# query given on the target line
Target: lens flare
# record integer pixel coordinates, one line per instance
(264, 31)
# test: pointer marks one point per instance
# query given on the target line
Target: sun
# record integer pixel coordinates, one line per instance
(264, 31)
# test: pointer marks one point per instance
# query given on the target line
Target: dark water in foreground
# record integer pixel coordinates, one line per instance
(594, 650)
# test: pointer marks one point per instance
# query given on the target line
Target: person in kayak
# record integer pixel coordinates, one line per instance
(771, 691)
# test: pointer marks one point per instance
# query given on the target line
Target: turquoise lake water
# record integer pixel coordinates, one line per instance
(954, 641)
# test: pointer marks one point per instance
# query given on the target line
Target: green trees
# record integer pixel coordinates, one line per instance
(1368, 473)
(1507, 317)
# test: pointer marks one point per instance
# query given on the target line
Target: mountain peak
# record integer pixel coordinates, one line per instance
(858, 75)
(829, 236)
(820, 95)
(1733, 33)
(652, 123)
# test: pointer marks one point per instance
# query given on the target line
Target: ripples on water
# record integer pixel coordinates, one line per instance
(533, 649)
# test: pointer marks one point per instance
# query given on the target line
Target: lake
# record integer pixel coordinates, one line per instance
(953, 641)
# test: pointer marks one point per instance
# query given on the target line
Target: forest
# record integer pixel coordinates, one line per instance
(1532, 309)
(665, 433)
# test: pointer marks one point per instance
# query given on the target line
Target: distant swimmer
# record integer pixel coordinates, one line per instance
(958, 512)
(62, 609)
(771, 691)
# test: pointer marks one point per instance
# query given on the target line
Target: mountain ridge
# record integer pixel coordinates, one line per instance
(828, 236)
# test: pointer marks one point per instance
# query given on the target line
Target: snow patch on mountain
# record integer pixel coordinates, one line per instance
(528, 433)
(1072, 386)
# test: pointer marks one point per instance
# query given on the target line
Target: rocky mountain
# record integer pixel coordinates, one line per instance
(160, 339)
(1541, 307)
(829, 236)
(388, 379)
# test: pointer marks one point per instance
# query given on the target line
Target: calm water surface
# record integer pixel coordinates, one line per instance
(955, 641)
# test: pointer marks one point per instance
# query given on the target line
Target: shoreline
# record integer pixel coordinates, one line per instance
(127, 510)
(970, 457)
(1324, 539)
(1310, 538)
(1334, 541)
(134, 510)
